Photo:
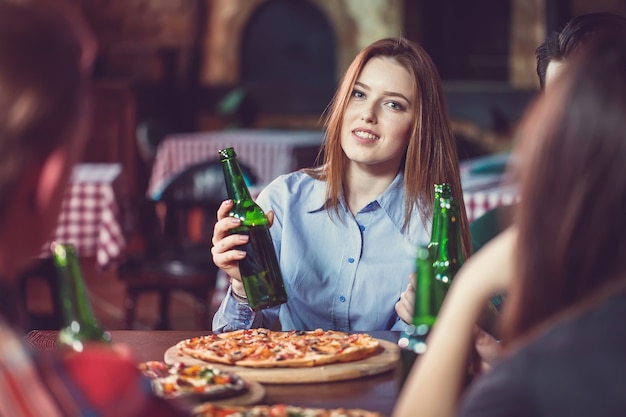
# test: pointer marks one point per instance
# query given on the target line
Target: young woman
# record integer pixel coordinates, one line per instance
(346, 232)
(564, 265)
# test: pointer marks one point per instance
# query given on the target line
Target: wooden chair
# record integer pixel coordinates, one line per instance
(43, 270)
(490, 224)
(482, 230)
(176, 230)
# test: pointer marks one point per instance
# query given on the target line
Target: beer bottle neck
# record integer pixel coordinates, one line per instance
(449, 252)
(442, 190)
(233, 176)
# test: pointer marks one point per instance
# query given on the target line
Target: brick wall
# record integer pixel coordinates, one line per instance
(144, 40)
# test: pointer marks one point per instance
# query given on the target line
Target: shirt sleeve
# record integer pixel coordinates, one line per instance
(399, 325)
(234, 315)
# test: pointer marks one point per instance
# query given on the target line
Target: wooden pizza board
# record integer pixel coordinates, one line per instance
(253, 395)
(386, 359)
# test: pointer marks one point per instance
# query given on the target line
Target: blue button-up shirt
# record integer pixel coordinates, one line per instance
(341, 272)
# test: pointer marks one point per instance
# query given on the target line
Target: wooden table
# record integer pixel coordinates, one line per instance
(376, 393)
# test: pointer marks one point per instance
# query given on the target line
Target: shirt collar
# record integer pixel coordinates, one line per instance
(391, 200)
(317, 198)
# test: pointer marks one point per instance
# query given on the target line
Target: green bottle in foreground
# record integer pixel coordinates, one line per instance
(260, 271)
(429, 295)
(80, 324)
(448, 256)
(441, 191)
(436, 266)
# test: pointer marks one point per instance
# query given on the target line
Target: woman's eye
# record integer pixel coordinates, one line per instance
(395, 105)
(357, 94)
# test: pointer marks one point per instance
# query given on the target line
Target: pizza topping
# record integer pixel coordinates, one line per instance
(177, 380)
(277, 410)
(266, 348)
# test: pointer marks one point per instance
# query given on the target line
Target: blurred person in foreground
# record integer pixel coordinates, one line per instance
(46, 55)
(346, 233)
(552, 56)
(563, 265)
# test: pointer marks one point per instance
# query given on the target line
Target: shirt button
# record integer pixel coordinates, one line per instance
(342, 299)
(361, 227)
(351, 260)
(246, 322)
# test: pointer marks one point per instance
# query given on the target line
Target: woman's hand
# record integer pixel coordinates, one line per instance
(405, 306)
(226, 255)
(488, 351)
(434, 384)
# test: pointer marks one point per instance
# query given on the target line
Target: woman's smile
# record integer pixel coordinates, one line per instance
(365, 135)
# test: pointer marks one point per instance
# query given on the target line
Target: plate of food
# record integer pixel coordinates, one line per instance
(204, 382)
(269, 356)
(277, 410)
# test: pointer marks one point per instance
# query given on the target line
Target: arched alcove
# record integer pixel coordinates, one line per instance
(288, 58)
(321, 37)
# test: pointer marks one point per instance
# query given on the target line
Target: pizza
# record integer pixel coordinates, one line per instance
(181, 380)
(263, 348)
(278, 410)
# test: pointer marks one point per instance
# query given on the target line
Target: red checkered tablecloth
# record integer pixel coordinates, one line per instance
(485, 184)
(478, 202)
(89, 217)
(269, 153)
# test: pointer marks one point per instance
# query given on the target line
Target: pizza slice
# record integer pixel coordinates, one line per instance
(180, 380)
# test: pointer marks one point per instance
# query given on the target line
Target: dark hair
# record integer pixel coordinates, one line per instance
(572, 232)
(549, 50)
(431, 156)
(561, 45)
(45, 57)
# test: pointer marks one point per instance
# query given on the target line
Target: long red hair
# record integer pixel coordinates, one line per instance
(431, 156)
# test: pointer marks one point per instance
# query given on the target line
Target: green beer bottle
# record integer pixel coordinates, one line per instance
(80, 323)
(442, 190)
(448, 256)
(259, 270)
(429, 295)
(436, 265)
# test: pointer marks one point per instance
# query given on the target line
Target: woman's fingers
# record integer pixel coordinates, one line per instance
(224, 208)
(222, 229)
(225, 251)
(229, 243)
(488, 350)
(405, 307)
